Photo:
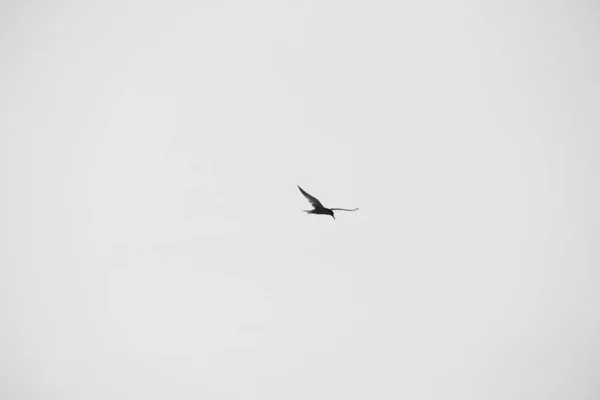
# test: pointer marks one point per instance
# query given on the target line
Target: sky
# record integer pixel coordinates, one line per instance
(152, 239)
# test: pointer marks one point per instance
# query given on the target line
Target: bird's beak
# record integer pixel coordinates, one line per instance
(332, 217)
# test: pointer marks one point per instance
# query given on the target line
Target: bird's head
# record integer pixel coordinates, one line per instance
(331, 213)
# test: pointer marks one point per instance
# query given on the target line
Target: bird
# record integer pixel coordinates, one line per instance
(318, 208)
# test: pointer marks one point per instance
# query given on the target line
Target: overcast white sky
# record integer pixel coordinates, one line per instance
(152, 241)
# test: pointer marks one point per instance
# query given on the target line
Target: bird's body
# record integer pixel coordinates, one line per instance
(318, 208)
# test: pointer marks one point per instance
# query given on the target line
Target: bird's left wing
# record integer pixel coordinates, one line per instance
(313, 201)
(343, 209)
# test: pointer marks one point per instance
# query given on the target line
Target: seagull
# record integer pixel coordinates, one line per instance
(318, 207)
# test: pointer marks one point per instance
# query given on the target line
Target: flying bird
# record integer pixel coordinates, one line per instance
(318, 208)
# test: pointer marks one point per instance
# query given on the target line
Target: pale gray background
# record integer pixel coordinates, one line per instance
(152, 239)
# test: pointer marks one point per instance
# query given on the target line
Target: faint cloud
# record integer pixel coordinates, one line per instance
(169, 310)
(208, 182)
(143, 191)
(205, 226)
(215, 226)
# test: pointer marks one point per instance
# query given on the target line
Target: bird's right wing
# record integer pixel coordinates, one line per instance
(312, 200)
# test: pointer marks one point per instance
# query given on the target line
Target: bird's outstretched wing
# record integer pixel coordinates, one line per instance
(343, 209)
(313, 201)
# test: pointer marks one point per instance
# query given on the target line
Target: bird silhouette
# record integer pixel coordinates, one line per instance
(318, 208)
